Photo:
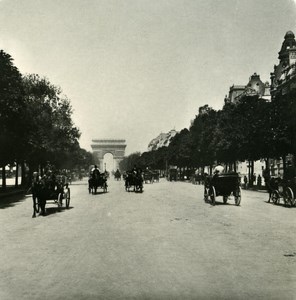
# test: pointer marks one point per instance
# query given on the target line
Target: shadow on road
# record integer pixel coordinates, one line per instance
(11, 201)
(282, 205)
(221, 203)
(54, 210)
(99, 193)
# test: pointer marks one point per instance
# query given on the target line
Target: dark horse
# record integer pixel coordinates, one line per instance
(40, 192)
(134, 179)
(117, 175)
(36, 188)
(45, 189)
(95, 181)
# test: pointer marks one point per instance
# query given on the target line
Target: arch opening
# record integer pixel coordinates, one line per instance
(108, 162)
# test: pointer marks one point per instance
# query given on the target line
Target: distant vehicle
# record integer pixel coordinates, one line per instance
(172, 174)
(226, 185)
(117, 175)
(134, 180)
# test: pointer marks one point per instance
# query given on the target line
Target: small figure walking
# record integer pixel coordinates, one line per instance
(259, 181)
(245, 182)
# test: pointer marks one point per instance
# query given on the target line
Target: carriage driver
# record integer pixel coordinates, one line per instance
(219, 169)
(96, 172)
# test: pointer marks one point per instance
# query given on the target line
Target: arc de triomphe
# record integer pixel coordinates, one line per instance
(116, 147)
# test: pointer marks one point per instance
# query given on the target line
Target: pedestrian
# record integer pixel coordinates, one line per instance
(245, 182)
(35, 189)
(259, 181)
(254, 179)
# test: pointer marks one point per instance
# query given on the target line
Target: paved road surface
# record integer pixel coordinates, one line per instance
(163, 244)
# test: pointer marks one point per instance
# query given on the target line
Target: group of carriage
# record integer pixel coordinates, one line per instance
(226, 185)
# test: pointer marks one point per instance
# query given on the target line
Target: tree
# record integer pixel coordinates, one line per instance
(202, 134)
(284, 126)
(52, 135)
(179, 150)
(11, 108)
(130, 161)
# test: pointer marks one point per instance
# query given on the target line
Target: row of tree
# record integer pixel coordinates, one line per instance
(249, 130)
(35, 123)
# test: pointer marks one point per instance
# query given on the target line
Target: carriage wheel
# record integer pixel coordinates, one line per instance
(238, 196)
(225, 198)
(289, 197)
(275, 197)
(60, 200)
(67, 197)
(206, 194)
(212, 194)
(293, 199)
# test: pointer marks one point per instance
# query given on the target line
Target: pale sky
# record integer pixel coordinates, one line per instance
(135, 68)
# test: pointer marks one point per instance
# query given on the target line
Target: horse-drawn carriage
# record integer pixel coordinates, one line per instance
(172, 174)
(134, 180)
(225, 185)
(282, 189)
(117, 175)
(155, 176)
(50, 190)
(148, 176)
(97, 181)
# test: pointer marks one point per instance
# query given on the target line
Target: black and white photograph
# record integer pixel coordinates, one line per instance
(147, 150)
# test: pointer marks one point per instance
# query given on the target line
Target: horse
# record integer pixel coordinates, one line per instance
(117, 175)
(95, 181)
(134, 179)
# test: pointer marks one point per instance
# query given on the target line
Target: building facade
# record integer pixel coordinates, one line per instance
(283, 77)
(162, 140)
(283, 82)
(254, 87)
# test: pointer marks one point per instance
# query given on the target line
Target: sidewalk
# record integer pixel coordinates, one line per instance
(11, 190)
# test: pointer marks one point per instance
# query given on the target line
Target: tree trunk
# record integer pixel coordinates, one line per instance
(267, 167)
(3, 178)
(284, 166)
(252, 171)
(249, 173)
(16, 174)
(24, 181)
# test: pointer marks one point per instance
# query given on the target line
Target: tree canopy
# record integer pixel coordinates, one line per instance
(36, 122)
